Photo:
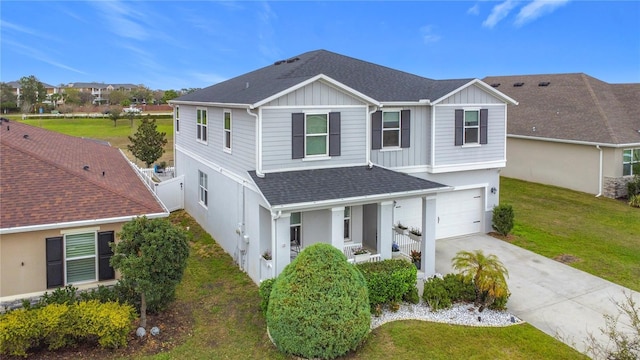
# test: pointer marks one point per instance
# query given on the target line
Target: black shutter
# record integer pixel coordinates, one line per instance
(376, 130)
(297, 135)
(405, 133)
(105, 271)
(334, 134)
(55, 263)
(459, 127)
(484, 119)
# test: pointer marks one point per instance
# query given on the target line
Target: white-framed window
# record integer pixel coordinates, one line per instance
(391, 129)
(80, 258)
(347, 222)
(226, 130)
(177, 115)
(295, 223)
(201, 125)
(471, 127)
(316, 135)
(203, 186)
(631, 161)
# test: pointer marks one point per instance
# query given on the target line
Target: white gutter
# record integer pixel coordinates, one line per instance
(80, 223)
(258, 141)
(206, 103)
(575, 142)
(600, 173)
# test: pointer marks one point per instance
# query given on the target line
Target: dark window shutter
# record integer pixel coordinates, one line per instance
(405, 131)
(376, 130)
(484, 119)
(105, 271)
(55, 263)
(334, 134)
(459, 127)
(297, 135)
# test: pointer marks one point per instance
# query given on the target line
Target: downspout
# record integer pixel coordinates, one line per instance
(258, 142)
(274, 236)
(600, 173)
(368, 135)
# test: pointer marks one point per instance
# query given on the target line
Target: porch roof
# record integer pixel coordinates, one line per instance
(339, 185)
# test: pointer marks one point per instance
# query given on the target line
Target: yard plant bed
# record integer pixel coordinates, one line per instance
(595, 234)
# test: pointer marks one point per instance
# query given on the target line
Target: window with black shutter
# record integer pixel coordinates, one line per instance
(55, 262)
(105, 271)
(315, 135)
(471, 126)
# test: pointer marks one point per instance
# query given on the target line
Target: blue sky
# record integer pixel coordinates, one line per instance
(185, 44)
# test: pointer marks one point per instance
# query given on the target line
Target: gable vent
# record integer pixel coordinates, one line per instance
(518, 84)
(544, 83)
(495, 84)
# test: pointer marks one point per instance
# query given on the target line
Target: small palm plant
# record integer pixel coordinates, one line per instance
(487, 273)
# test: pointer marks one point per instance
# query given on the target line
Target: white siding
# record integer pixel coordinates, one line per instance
(472, 95)
(276, 138)
(419, 152)
(317, 93)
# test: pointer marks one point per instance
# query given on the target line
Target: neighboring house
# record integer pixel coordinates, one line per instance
(17, 90)
(100, 91)
(573, 131)
(64, 199)
(326, 148)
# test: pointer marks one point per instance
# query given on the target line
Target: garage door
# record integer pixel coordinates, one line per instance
(459, 213)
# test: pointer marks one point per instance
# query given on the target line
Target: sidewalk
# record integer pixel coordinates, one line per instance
(561, 301)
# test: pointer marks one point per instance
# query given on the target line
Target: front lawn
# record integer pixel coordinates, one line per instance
(598, 235)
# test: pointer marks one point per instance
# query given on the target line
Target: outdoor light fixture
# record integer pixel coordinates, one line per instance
(494, 190)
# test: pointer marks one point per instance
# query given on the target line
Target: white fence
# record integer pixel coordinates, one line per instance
(348, 250)
(169, 189)
(406, 243)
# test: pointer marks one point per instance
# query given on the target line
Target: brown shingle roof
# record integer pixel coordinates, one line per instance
(572, 107)
(43, 180)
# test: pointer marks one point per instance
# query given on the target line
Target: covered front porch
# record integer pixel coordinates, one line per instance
(349, 208)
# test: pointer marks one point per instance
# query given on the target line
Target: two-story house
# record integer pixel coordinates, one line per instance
(326, 148)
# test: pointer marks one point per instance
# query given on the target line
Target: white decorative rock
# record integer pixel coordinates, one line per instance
(155, 331)
(141, 332)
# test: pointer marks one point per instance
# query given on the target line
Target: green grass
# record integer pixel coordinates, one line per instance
(228, 323)
(104, 129)
(604, 234)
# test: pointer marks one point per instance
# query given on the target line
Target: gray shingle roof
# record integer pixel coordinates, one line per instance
(305, 186)
(376, 81)
(572, 107)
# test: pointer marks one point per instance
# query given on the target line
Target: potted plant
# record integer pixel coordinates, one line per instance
(416, 258)
(361, 255)
(395, 251)
(415, 234)
(266, 261)
(400, 229)
(267, 255)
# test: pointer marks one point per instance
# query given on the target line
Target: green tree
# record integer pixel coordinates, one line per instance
(72, 96)
(8, 98)
(114, 114)
(487, 273)
(141, 93)
(118, 97)
(169, 95)
(32, 91)
(151, 255)
(147, 144)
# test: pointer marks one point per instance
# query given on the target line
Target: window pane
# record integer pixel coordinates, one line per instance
(295, 218)
(626, 156)
(347, 211)
(626, 169)
(204, 117)
(636, 155)
(227, 139)
(227, 121)
(316, 145)
(471, 135)
(81, 270)
(80, 245)
(391, 119)
(317, 124)
(471, 118)
(346, 228)
(390, 138)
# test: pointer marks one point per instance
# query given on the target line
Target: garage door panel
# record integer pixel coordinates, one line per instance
(459, 213)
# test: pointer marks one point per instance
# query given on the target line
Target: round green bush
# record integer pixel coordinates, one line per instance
(319, 305)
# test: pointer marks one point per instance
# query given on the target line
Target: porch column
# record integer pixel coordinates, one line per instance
(429, 222)
(282, 238)
(385, 229)
(337, 228)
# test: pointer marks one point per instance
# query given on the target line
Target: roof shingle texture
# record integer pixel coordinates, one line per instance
(572, 107)
(304, 186)
(378, 82)
(43, 181)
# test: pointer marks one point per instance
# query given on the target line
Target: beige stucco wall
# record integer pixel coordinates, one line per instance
(571, 166)
(23, 264)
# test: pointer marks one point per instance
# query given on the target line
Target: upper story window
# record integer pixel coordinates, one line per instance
(227, 130)
(201, 125)
(391, 129)
(203, 186)
(631, 162)
(315, 135)
(177, 119)
(471, 126)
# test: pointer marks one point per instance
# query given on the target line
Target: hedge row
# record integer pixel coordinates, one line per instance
(60, 325)
(389, 282)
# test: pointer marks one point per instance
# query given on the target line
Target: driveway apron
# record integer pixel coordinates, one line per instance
(564, 302)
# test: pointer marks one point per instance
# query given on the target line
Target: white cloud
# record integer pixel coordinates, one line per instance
(474, 10)
(123, 19)
(498, 13)
(39, 55)
(207, 78)
(15, 27)
(428, 35)
(537, 8)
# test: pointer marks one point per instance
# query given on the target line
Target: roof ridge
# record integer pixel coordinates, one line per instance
(603, 113)
(69, 171)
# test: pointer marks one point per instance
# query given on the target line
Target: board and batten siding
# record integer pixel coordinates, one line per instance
(419, 153)
(277, 142)
(242, 156)
(472, 95)
(316, 93)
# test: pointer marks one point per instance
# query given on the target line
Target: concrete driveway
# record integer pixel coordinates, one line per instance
(561, 301)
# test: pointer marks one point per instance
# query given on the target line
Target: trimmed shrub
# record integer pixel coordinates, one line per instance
(411, 296)
(634, 201)
(500, 303)
(319, 306)
(435, 294)
(265, 292)
(633, 186)
(388, 281)
(458, 288)
(502, 220)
